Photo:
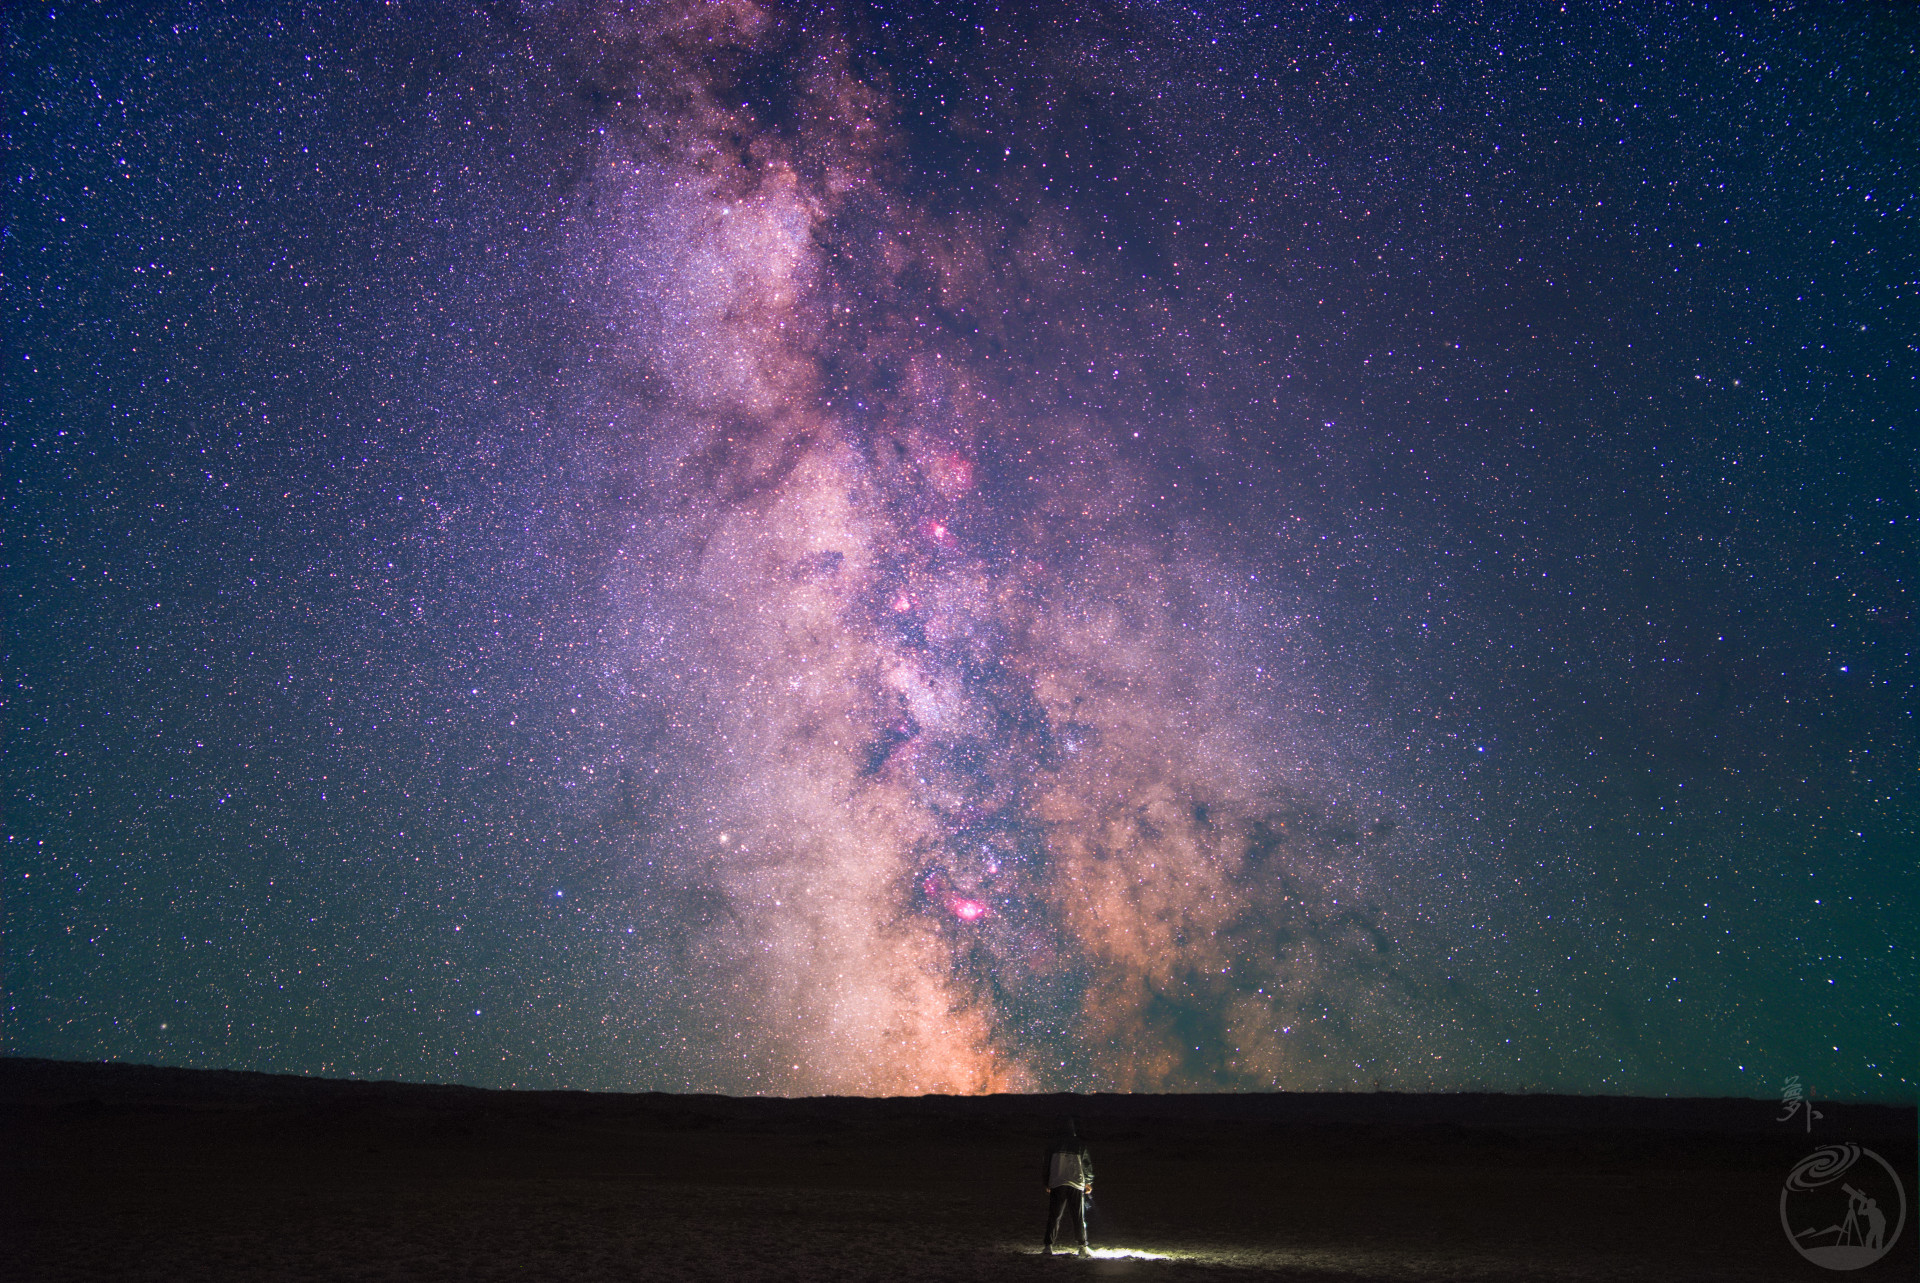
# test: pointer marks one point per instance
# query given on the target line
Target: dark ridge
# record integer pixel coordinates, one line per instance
(28, 1084)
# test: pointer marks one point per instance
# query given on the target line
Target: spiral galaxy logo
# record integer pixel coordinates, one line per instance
(1841, 1205)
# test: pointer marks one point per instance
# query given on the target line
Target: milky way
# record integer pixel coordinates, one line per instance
(992, 789)
(731, 547)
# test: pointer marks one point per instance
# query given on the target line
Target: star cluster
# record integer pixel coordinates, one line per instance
(728, 547)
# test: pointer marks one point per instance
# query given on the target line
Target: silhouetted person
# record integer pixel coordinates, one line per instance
(1876, 1223)
(1069, 1177)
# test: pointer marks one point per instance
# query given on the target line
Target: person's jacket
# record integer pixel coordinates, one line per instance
(1069, 1163)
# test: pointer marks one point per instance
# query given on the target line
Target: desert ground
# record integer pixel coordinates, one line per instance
(135, 1172)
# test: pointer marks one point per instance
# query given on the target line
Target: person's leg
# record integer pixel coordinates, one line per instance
(1056, 1211)
(1080, 1216)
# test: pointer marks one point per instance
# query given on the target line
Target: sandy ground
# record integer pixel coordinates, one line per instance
(120, 1172)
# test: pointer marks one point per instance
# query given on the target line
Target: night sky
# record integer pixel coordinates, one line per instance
(701, 547)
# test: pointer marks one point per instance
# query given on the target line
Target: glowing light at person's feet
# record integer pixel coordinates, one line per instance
(1127, 1254)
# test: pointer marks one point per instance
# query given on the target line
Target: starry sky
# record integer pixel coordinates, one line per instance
(886, 549)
